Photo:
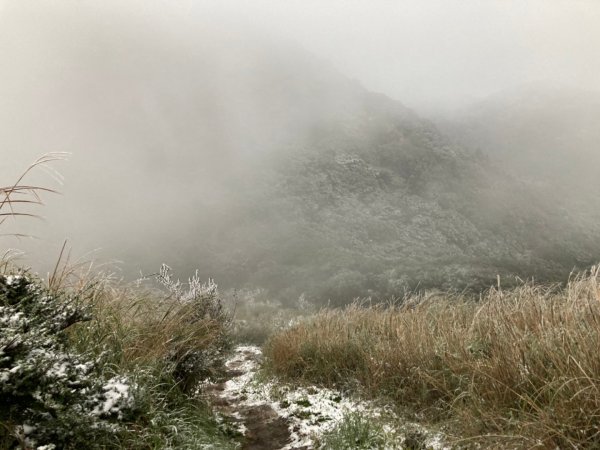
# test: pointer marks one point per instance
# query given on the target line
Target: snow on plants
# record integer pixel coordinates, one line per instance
(51, 395)
(310, 411)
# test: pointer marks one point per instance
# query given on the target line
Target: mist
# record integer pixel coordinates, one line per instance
(307, 147)
(440, 55)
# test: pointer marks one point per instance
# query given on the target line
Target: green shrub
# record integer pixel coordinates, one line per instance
(49, 394)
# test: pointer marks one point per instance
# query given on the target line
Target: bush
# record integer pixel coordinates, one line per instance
(194, 328)
(50, 394)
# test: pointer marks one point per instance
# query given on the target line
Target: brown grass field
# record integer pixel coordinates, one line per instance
(514, 369)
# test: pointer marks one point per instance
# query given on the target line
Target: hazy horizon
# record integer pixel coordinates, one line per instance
(222, 133)
(431, 55)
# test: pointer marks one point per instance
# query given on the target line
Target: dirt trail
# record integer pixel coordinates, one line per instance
(275, 416)
(262, 426)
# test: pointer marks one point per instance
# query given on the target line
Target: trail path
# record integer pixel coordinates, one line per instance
(263, 428)
(275, 416)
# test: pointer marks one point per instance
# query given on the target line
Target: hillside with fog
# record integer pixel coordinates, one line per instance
(545, 135)
(263, 166)
(296, 225)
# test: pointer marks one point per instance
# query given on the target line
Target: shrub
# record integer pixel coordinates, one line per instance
(50, 394)
(166, 343)
(196, 325)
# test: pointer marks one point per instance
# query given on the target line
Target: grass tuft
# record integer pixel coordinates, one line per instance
(357, 432)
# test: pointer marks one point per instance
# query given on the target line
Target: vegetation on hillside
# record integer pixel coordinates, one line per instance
(271, 170)
(86, 361)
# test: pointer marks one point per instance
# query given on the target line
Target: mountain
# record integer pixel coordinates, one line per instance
(380, 205)
(261, 165)
(546, 136)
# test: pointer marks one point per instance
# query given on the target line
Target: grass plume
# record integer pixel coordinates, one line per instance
(20, 194)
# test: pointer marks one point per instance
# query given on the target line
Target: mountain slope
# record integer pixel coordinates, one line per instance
(263, 167)
(547, 135)
(376, 211)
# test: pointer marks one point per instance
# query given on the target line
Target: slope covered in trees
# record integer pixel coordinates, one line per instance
(264, 167)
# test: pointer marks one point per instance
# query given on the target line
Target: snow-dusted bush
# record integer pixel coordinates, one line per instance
(50, 395)
(198, 346)
(203, 296)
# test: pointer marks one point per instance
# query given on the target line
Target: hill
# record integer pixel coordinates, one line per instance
(263, 166)
(545, 135)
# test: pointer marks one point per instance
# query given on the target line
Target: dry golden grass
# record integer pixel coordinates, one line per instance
(518, 368)
(20, 194)
(144, 327)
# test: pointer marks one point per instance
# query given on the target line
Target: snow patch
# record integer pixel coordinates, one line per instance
(116, 396)
(309, 411)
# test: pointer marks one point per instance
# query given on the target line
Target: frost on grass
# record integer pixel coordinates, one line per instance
(194, 291)
(203, 310)
(54, 394)
(115, 398)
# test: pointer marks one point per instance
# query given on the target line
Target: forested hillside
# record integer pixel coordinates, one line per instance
(264, 167)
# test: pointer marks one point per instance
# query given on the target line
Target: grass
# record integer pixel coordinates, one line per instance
(357, 432)
(167, 349)
(517, 368)
(164, 342)
(19, 195)
(141, 325)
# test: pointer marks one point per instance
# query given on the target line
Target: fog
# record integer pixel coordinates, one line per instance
(427, 54)
(213, 134)
(434, 55)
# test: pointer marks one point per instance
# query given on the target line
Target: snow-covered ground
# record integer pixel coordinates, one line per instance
(309, 412)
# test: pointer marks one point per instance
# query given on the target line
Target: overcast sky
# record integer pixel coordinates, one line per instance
(443, 53)
(435, 53)
(428, 54)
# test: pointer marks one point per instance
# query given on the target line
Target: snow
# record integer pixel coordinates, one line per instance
(58, 370)
(116, 395)
(310, 411)
(13, 320)
(13, 279)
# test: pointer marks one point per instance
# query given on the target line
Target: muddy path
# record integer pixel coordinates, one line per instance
(270, 415)
(263, 428)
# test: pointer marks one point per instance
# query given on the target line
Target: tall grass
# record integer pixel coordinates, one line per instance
(519, 368)
(144, 332)
(144, 325)
(19, 194)
(161, 340)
